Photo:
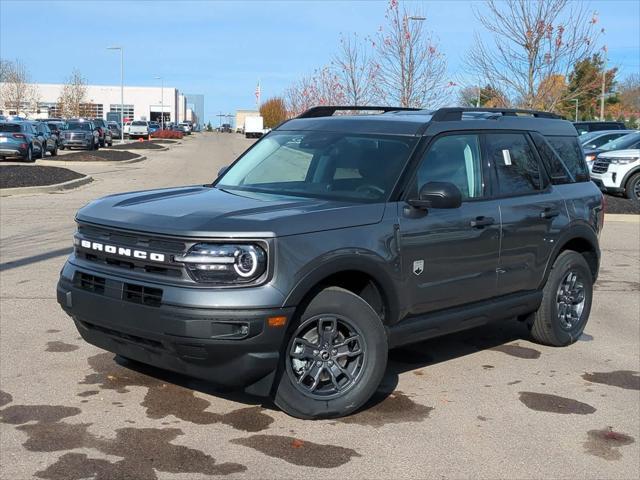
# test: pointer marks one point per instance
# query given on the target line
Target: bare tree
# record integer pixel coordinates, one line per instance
(535, 45)
(629, 93)
(355, 70)
(321, 88)
(17, 94)
(410, 68)
(73, 96)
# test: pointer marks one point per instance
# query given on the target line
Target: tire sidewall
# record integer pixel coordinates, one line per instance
(568, 261)
(340, 302)
(629, 190)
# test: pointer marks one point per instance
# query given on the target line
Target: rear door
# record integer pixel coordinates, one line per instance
(449, 256)
(531, 211)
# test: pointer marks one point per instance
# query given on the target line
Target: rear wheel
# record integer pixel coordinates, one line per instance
(566, 302)
(335, 357)
(28, 157)
(632, 188)
(54, 152)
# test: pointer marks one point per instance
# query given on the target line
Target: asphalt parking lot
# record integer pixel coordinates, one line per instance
(486, 403)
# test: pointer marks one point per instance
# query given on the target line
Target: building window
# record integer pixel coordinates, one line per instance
(91, 110)
(53, 109)
(127, 110)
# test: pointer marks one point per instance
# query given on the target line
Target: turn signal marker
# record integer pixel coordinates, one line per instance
(277, 321)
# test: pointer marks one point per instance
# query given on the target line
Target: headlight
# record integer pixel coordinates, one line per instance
(225, 263)
(589, 158)
(623, 160)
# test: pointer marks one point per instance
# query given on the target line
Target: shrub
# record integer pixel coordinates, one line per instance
(168, 134)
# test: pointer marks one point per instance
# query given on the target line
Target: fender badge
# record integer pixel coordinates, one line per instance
(418, 267)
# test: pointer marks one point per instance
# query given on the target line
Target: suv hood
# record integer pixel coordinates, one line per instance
(631, 153)
(202, 211)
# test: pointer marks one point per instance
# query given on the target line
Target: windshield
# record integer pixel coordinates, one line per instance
(329, 165)
(78, 126)
(585, 137)
(622, 142)
(9, 127)
(139, 124)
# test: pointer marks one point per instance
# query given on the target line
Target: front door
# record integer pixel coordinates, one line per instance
(450, 256)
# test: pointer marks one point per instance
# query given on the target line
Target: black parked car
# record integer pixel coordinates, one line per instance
(584, 127)
(335, 238)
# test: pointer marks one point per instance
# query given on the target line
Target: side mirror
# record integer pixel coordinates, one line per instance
(437, 195)
(222, 170)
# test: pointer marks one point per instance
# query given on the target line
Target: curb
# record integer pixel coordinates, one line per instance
(53, 163)
(56, 187)
(622, 217)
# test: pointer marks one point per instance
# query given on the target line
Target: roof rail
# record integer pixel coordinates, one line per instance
(327, 111)
(455, 113)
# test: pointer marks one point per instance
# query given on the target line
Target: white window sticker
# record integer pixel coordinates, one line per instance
(507, 157)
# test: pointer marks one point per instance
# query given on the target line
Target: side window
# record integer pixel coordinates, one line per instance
(455, 159)
(569, 151)
(515, 163)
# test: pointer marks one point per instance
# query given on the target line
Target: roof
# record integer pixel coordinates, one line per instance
(414, 122)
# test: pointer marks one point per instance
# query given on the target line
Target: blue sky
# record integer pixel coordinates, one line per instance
(221, 48)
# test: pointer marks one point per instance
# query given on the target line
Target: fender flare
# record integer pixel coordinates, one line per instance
(628, 175)
(577, 231)
(364, 261)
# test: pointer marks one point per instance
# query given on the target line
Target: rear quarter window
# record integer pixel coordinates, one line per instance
(571, 154)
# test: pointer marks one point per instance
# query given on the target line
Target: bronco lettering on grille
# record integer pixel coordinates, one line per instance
(122, 251)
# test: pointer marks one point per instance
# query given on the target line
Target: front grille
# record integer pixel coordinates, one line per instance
(141, 294)
(129, 292)
(168, 247)
(90, 283)
(601, 165)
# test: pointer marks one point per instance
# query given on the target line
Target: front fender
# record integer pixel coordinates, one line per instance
(359, 260)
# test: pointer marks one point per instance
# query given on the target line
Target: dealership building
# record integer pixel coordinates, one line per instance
(139, 103)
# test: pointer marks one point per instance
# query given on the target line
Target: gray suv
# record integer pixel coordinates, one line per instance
(20, 139)
(337, 237)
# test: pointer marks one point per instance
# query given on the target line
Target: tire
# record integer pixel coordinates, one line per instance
(101, 143)
(61, 147)
(28, 157)
(54, 152)
(632, 188)
(547, 324)
(43, 149)
(336, 394)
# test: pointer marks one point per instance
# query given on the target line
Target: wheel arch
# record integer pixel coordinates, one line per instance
(365, 275)
(628, 175)
(581, 239)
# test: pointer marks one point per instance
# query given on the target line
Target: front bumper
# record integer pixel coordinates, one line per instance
(609, 181)
(76, 143)
(229, 347)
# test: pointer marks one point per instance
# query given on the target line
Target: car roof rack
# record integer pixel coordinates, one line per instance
(451, 114)
(327, 111)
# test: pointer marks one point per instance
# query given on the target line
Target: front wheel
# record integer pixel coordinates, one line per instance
(566, 302)
(335, 357)
(632, 189)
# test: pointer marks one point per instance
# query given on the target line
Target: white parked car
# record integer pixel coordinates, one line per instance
(618, 171)
(139, 129)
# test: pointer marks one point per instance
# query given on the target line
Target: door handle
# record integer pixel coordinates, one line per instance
(549, 213)
(480, 222)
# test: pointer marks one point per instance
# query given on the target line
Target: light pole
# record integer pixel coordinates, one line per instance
(121, 90)
(576, 100)
(161, 98)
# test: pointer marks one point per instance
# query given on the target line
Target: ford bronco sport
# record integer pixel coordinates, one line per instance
(337, 237)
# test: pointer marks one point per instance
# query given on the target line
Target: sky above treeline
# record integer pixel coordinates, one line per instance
(221, 49)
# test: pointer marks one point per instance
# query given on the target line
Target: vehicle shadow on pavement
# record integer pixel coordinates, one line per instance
(414, 357)
(401, 360)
